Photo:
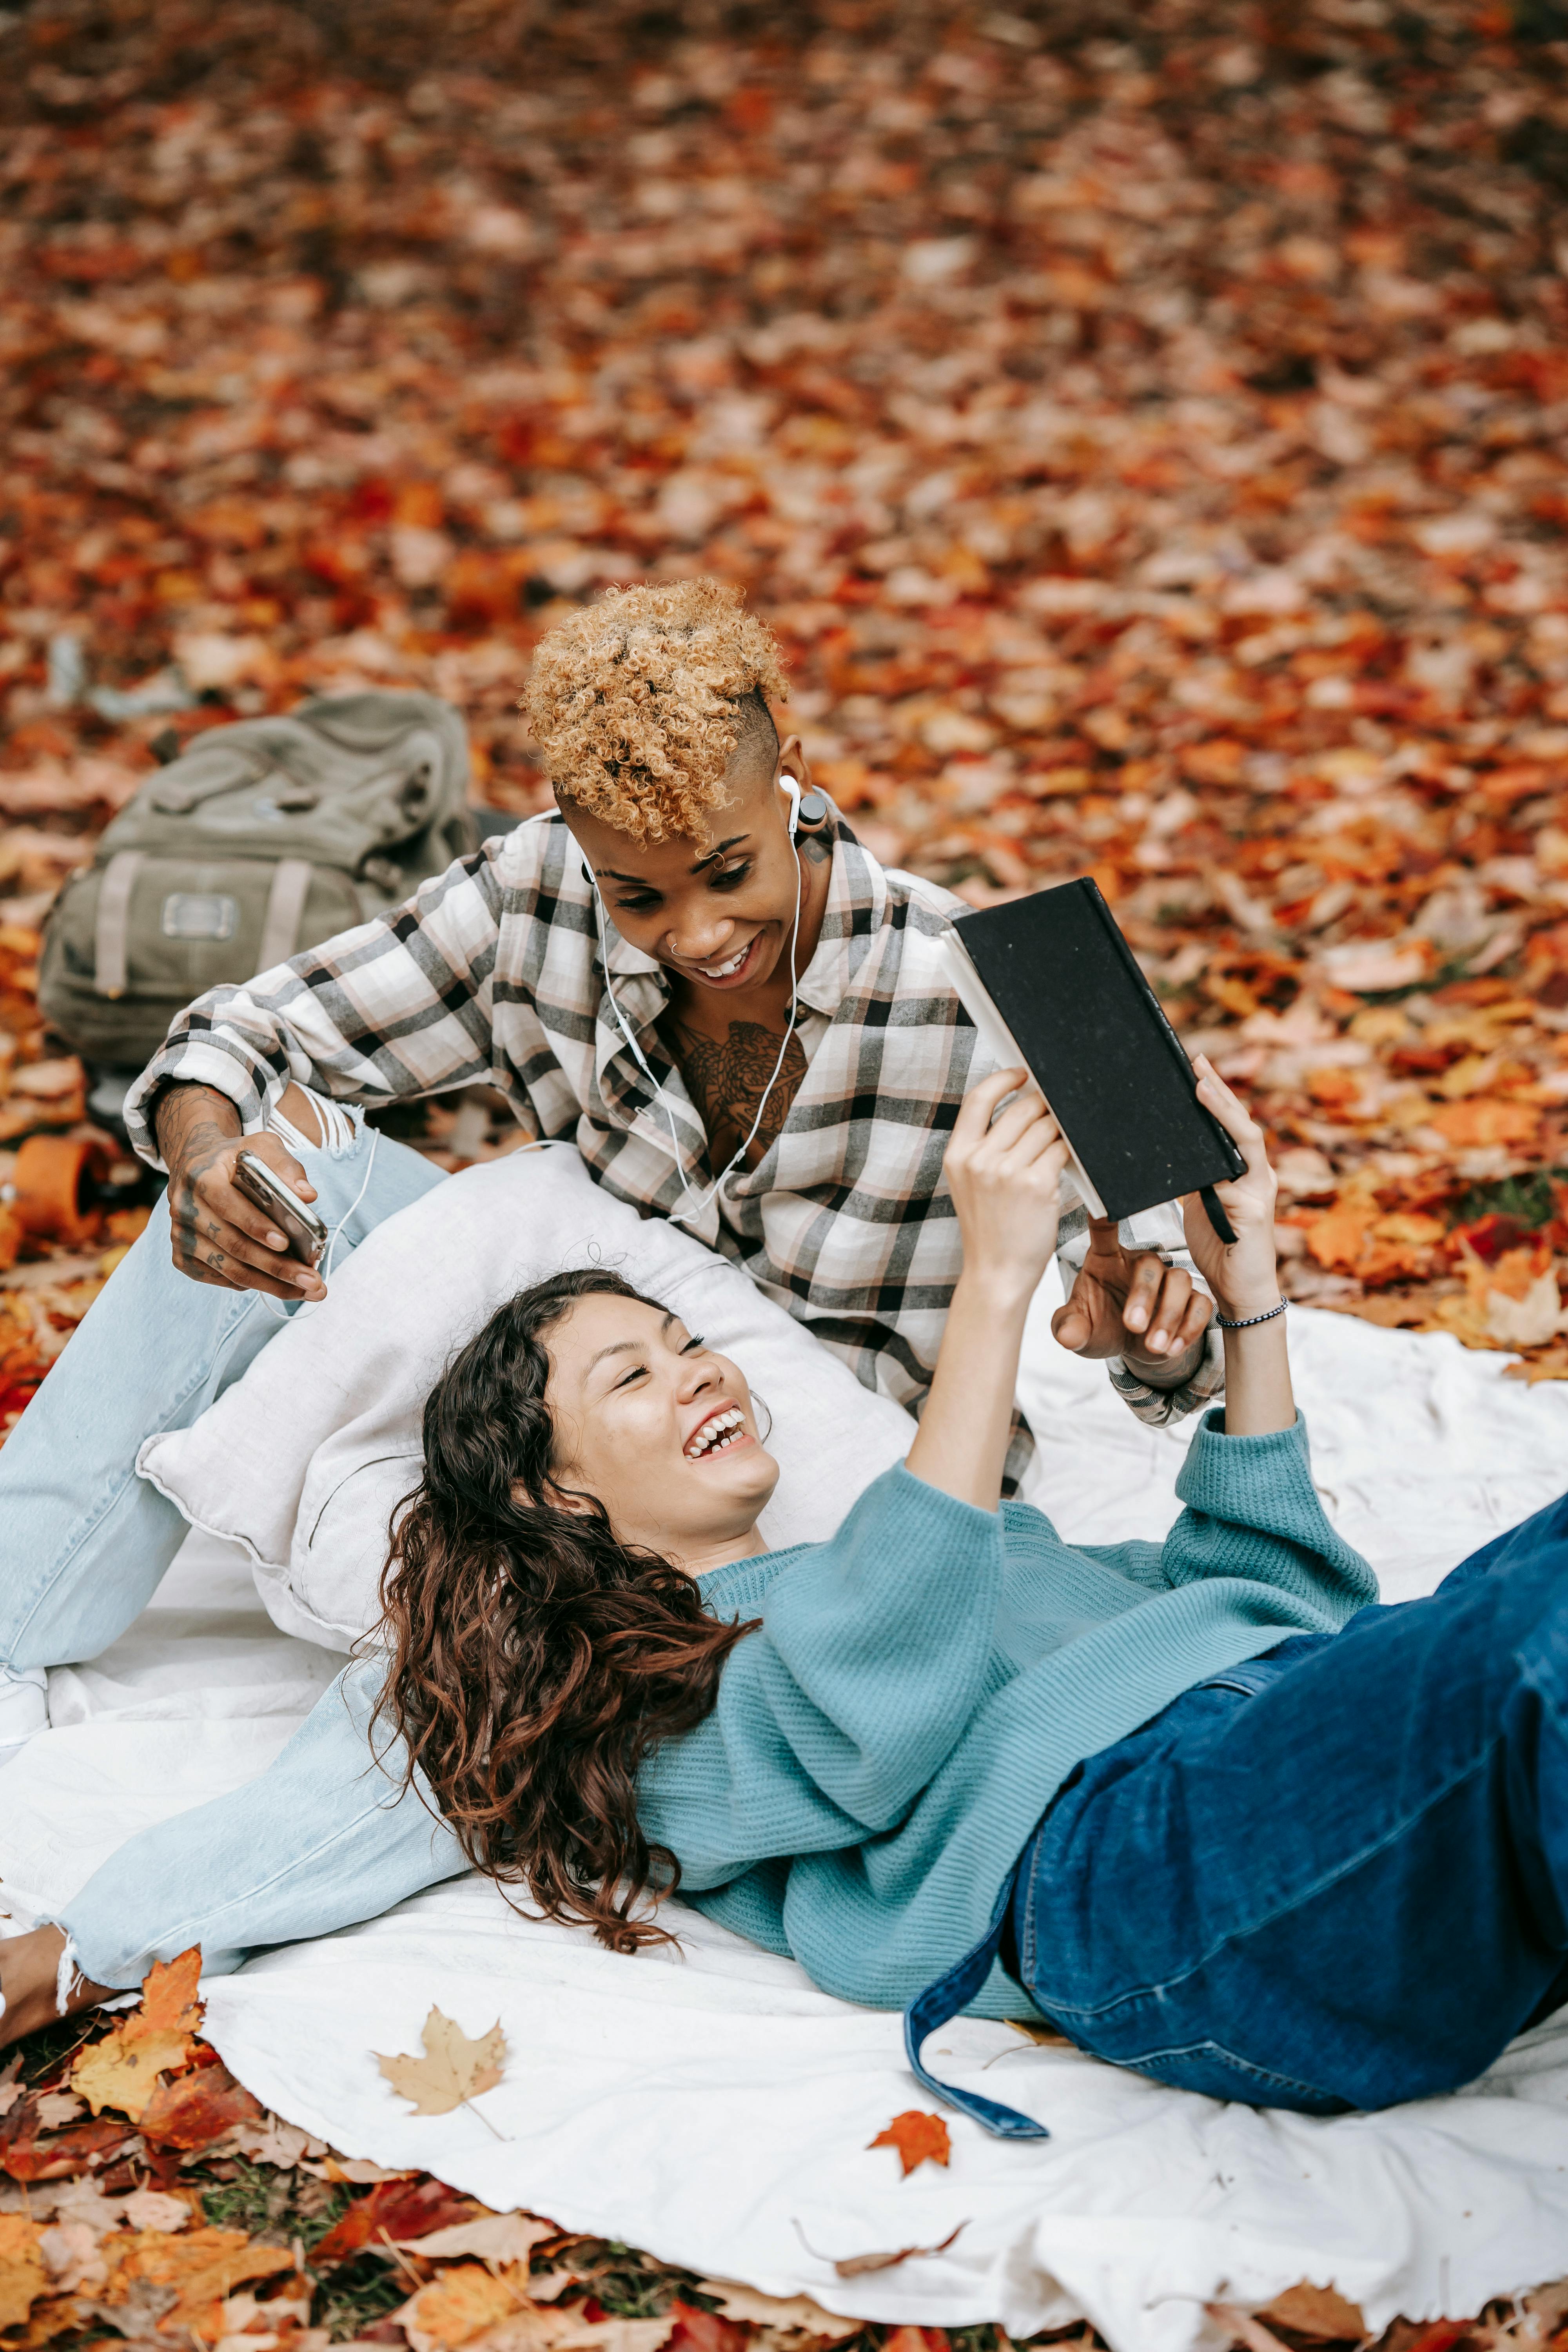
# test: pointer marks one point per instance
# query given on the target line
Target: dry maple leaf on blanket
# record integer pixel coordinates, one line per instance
(1144, 429)
(454, 2071)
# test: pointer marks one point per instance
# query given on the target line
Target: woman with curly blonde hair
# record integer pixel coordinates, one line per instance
(690, 970)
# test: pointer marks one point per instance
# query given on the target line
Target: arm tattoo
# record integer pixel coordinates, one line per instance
(192, 1123)
(726, 1079)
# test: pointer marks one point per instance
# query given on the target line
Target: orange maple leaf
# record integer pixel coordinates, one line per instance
(122, 2070)
(169, 1994)
(919, 2138)
(1336, 1237)
(1483, 1119)
(201, 2266)
(462, 2302)
(23, 2278)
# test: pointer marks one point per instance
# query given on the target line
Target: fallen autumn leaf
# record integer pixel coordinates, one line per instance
(453, 2070)
(919, 2138)
(855, 2265)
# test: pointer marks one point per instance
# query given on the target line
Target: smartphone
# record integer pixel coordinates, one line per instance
(306, 1234)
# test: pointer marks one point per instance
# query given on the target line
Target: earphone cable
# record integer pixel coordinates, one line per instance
(306, 1307)
(679, 1216)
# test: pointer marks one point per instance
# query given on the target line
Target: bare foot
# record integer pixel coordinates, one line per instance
(29, 1979)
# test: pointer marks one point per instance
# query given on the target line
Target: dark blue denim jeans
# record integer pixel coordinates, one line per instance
(1336, 1878)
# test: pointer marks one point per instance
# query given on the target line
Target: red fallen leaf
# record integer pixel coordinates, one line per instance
(1489, 1237)
(20, 2120)
(919, 2138)
(196, 2108)
(403, 2210)
(61, 2155)
(697, 2330)
(140, 2167)
(1440, 2336)
(916, 2339)
(87, 263)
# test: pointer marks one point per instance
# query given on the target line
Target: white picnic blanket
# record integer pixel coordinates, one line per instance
(715, 2108)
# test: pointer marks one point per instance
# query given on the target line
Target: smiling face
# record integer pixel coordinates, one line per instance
(716, 911)
(660, 1429)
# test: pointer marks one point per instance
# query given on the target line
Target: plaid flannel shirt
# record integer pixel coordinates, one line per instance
(492, 973)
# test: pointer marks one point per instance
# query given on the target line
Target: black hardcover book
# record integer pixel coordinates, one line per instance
(1058, 980)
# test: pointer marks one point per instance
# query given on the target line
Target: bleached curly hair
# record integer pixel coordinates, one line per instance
(638, 703)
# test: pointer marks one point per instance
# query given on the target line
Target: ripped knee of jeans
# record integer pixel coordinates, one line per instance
(307, 1122)
(67, 1975)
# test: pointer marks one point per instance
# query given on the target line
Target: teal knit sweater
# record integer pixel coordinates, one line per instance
(919, 1687)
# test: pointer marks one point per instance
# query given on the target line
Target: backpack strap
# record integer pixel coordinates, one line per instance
(285, 908)
(112, 930)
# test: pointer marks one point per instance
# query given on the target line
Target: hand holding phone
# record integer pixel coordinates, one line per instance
(218, 1234)
(305, 1233)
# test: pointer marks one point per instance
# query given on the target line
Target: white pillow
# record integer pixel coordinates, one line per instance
(303, 1459)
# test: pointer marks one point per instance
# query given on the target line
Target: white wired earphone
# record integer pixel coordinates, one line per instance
(326, 1113)
(679, 1216)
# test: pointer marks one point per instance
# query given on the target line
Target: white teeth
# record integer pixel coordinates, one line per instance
(717, 1436)
(722, 970)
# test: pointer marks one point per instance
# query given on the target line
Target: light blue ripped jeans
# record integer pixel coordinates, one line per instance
(317, 1841)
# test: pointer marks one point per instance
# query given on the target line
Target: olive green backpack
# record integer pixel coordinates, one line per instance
(263, 838)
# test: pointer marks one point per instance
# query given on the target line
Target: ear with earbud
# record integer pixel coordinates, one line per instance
(793, 789)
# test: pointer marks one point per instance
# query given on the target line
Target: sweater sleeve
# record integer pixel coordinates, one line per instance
(832, 1717)
(1252, 1513)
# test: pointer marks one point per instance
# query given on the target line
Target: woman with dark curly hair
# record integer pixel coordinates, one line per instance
(692, 972)
(1196, 1801)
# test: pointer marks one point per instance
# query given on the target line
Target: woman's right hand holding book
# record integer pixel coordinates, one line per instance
(1003, 1170)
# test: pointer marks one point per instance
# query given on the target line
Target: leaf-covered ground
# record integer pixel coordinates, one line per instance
(184, 2216)
(1144, 424)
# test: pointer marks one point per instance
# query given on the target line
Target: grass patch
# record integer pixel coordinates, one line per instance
(631, 2286)
(258, 2200)
(1528, 1198)
(356, 2295)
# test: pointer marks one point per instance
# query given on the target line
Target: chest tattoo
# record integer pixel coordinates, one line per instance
(727, 1077)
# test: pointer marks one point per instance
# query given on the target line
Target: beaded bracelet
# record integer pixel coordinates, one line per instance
(1246, 1321)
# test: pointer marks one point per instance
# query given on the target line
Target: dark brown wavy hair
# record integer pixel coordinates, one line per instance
(536, 1659)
